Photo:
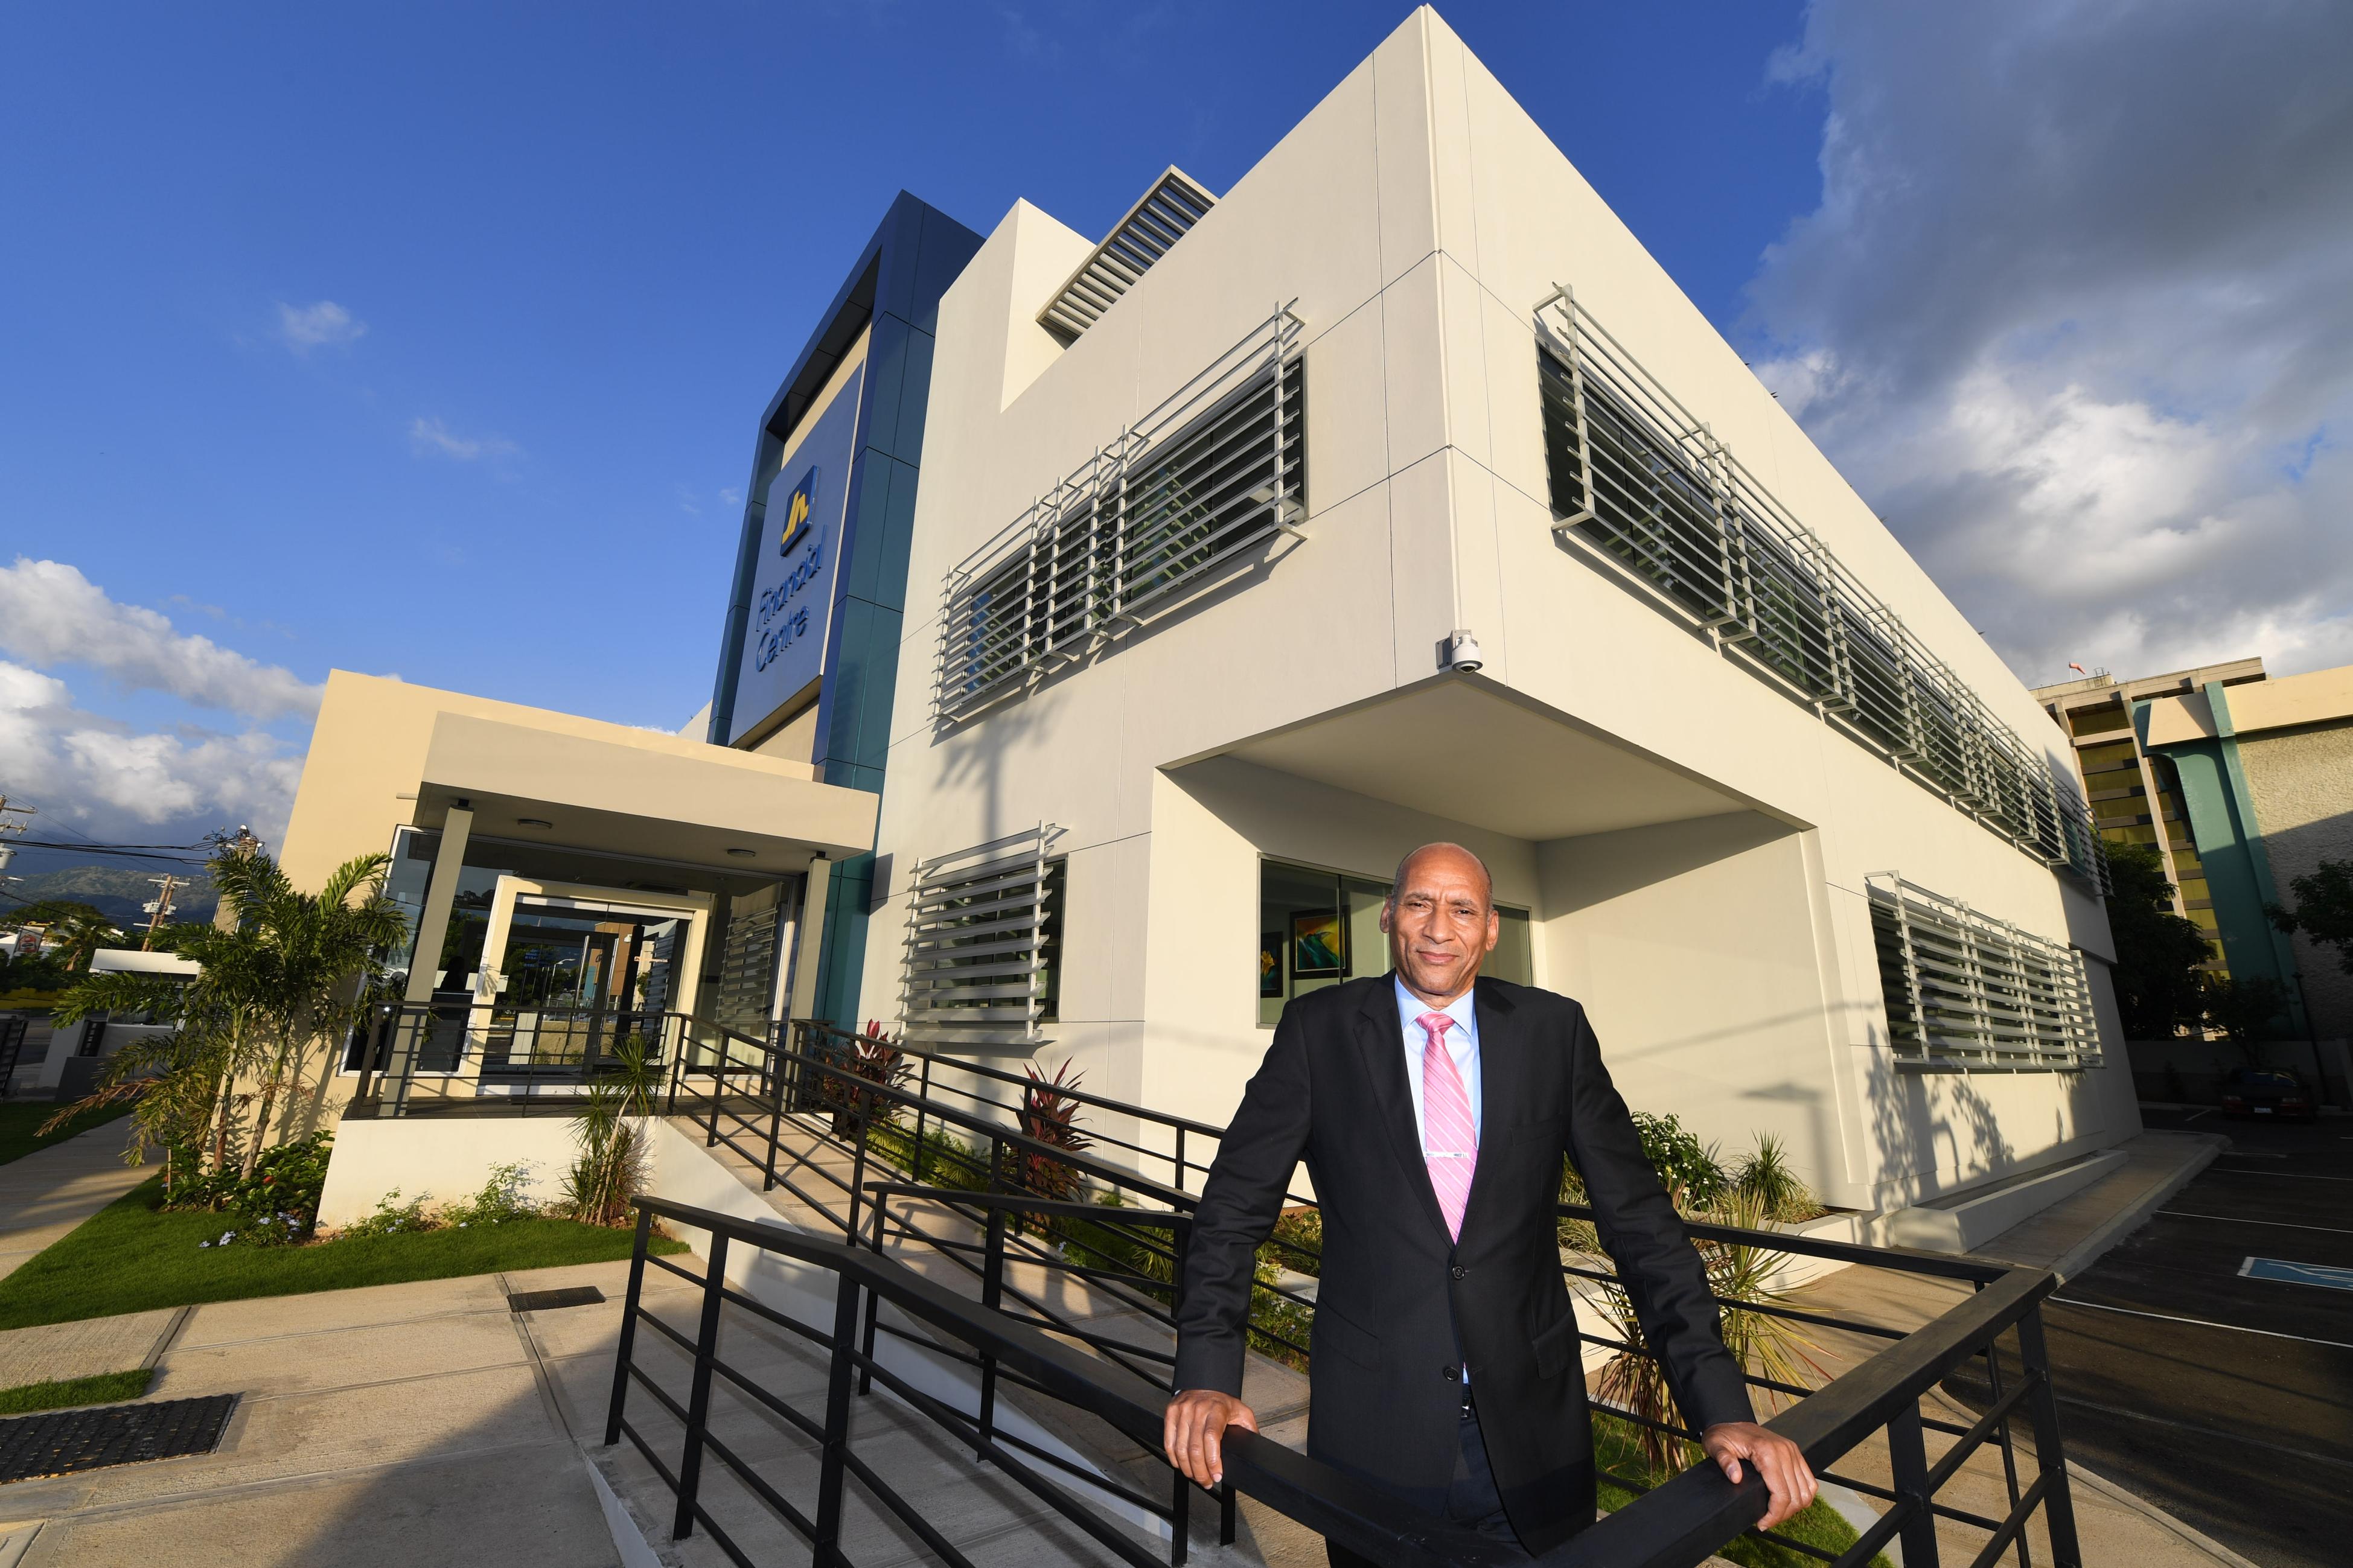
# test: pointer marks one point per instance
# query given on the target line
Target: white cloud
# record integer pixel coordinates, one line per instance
(2076, 313)
(50, 614)
(107, 780)
(431, 435)
(325, 324)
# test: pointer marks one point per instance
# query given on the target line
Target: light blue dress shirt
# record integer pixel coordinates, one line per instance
(1461, 1044)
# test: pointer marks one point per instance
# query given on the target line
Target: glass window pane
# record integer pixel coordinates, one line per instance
(1368, 949)
(1513, 959)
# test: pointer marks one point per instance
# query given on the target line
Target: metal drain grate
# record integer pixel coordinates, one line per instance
(66, 1441)
(543, 1300)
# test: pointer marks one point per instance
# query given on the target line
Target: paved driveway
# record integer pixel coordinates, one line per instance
(2222, 1397)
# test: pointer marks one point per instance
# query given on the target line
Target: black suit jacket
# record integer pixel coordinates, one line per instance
(1400, 1306)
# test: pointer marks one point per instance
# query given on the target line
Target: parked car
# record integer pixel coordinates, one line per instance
(2266, 1091)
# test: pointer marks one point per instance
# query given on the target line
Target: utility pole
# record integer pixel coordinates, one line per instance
(244, 842)
(7, 851)
(159, 910)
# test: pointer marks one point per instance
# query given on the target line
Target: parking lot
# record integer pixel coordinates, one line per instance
(2221, 1394)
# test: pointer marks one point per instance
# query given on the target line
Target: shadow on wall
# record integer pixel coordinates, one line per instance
(1931, 1132)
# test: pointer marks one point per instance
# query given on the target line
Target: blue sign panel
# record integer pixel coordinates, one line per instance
(2326, 1274)
(792, 586)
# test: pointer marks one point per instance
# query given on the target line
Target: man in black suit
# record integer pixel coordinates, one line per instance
(1433, 1109)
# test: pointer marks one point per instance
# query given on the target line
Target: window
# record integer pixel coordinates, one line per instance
(1193, 489)
(1965, 990)
(983, 967)
(1644, 485)
(1317, 928)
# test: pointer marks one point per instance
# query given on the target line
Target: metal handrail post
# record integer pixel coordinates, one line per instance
(2058, 1502)
(2008, 1450)
(873, 1308)
(1907, 1463)
(622, 1352)
(698, 1400)
(718, 1090)
(828, 1539)
(862, 1107)
(772, 1069)
(992, 1295)
(923, 1107)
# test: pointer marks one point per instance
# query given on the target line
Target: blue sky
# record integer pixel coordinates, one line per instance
(428, 339)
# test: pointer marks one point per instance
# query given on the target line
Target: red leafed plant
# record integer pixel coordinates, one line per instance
(1050, 1115)
(877, 1058)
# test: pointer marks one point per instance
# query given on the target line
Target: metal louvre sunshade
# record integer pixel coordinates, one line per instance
(975, 960)
(1167, 211)
(1195, 488)
(1965, 990)
(1634, 474)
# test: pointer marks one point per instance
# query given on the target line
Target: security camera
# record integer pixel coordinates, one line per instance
(1461, 653)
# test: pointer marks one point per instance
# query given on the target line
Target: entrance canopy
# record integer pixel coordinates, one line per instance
(656, 796)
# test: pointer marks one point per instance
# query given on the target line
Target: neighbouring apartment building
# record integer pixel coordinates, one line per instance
(1393, 494)
(2242, 782)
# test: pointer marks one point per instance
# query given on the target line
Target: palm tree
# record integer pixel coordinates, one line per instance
(289, 972)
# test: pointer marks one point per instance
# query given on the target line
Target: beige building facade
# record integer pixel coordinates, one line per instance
(569, 884)
(1404, 497)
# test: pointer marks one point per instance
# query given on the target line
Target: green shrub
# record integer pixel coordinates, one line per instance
(1297, 1243)
(500, 1201)
(392, 1218)
(1685, 1164)
(277, 1204)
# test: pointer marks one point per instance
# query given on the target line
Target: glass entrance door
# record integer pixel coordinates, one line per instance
(577, 976)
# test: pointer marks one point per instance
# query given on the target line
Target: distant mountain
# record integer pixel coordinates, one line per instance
(119, 891)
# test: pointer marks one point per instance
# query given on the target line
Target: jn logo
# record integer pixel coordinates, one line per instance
(796, 513)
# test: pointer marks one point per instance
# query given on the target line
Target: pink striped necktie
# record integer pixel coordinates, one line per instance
(1449, 1142)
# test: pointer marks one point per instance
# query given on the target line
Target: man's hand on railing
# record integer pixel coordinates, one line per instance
(1782, 1464)
(1196, 1430)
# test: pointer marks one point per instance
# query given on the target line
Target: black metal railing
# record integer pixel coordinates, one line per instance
(961, 1186)
(1324, 1499)
(424, 1057)
(1674, 1525)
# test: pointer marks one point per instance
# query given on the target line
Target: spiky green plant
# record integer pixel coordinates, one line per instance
(610, 1128)
(1766, 1345)
(285, 979)
(1764, 1175)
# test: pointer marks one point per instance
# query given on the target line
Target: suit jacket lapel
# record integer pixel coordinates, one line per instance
(1503, 1071)
(1381, 1039)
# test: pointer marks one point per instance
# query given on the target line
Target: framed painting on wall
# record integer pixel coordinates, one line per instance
(1319, 945)
(1270, 964)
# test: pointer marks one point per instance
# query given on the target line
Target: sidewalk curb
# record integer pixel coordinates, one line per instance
(2124, 1221)
(2141, 1505)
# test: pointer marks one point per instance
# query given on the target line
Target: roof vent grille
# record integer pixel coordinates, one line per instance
(1172, 207)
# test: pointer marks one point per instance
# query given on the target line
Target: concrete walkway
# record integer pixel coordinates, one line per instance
(412, 1422)
(47, 1193)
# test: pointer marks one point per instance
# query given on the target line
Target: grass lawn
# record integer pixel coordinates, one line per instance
(19, 1118)
(106, 1388)
(133, 1256)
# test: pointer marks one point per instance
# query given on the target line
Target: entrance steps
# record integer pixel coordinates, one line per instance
(981, 1510)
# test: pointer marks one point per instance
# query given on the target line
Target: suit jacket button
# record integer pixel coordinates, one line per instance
(1449, 1374)
(1461, 1272)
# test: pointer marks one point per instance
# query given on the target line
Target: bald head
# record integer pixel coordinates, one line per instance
(1405, 866)
(1440, 921)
